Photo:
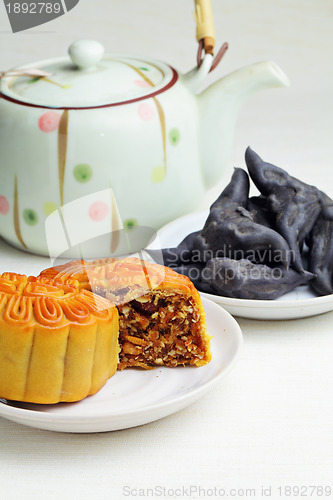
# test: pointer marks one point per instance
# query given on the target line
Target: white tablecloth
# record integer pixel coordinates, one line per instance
(269, 423)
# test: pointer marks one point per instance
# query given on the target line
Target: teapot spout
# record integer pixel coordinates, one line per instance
(218, 108)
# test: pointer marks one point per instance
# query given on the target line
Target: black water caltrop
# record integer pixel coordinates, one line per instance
(296, 205)
(231, 226)
(260, 247)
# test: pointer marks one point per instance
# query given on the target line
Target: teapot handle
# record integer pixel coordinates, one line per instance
(205, 33)
(217, 58)
(194, 78)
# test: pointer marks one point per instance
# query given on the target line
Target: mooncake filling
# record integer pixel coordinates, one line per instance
(160, 328)
(161, 318)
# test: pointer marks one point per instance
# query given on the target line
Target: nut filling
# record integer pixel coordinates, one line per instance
(161, 328)
(162, 321)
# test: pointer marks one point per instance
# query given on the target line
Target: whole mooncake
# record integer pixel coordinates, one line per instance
(161, 317)
(58, 343)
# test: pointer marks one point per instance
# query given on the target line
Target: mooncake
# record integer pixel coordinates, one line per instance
(58, 342)
(161, 317)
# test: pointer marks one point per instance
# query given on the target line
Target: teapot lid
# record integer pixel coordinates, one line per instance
(89, 79)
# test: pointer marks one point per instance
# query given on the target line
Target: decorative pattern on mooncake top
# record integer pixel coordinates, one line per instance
(57, 342)
(128, 278)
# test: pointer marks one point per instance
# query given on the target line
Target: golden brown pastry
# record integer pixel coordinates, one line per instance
(161, 318)
(57, 342)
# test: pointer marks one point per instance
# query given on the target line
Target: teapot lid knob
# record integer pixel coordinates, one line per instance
(86, 53)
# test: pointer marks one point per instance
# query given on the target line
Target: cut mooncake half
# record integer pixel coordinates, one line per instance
(57, 343)
(161, 317)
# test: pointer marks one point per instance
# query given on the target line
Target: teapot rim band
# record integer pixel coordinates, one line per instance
(171, 83)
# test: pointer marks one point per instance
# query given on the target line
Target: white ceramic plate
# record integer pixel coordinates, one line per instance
(135, 397)
(299, 303)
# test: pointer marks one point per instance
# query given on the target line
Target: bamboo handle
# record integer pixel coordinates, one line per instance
(203, 15)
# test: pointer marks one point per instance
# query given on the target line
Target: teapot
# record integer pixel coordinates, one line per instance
(98, 142)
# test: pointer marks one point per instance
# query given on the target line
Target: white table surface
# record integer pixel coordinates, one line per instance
(269, 423)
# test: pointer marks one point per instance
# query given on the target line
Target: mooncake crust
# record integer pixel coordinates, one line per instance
(161, 317)
(125, 277)
(57, 342)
